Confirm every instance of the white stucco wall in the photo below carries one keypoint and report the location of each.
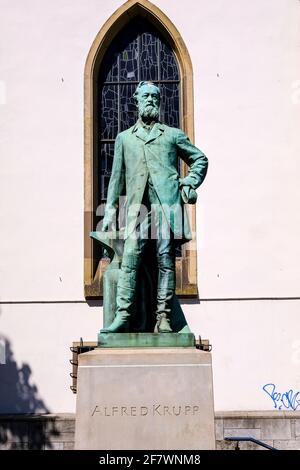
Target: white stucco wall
(247, 108)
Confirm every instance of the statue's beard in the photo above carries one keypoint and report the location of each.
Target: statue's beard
(149, 111)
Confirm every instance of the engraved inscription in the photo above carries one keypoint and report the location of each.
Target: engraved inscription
(150, 410)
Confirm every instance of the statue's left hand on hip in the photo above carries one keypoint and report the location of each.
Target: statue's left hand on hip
(188, 194)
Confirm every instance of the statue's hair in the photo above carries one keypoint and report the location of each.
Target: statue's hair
(140, 85)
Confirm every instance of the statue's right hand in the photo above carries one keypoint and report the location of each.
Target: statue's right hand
(108, 225)
(109, 221)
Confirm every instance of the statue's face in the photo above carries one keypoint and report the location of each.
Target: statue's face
(148, 102)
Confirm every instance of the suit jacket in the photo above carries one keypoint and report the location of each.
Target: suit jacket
(138, 154)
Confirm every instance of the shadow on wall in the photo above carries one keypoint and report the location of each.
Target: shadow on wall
(24, 426)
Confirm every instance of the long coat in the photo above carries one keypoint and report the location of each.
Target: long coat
(138, 154)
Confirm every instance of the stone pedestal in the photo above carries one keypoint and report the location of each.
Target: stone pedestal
(146, 398)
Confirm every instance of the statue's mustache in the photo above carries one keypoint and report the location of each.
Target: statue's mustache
(149, 106)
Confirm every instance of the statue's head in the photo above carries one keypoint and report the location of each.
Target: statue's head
(147, 99)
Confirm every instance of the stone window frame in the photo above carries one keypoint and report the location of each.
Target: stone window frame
(186, 265)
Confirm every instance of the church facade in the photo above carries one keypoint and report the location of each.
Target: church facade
(229, 77)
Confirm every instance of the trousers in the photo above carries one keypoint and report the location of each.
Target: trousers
(155, 226)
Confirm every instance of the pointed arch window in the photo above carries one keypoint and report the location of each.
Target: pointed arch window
(135, 44)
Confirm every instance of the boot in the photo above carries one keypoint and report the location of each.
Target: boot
(125, 299)
(164, 309)
(126, 292)
(163, 324)
(165, 293)
(119, 325)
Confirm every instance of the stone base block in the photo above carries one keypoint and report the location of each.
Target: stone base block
(149, 399)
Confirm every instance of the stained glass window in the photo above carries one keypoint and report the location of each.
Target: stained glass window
(137, 53)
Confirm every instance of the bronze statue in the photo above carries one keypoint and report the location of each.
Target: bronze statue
(145, 168)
